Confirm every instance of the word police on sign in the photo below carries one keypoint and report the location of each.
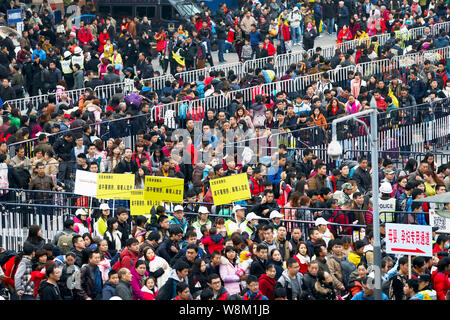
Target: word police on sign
(409, 239)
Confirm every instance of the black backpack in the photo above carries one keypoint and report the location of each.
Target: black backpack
(5, 256)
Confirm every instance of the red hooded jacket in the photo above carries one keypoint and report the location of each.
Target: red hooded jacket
(266, 285)
(440, 284)
(213, 242)
(85, 35)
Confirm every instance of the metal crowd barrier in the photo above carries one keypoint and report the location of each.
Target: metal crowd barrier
(104, 92)
(16, 217)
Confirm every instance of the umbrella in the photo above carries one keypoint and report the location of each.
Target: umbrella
(439, 198)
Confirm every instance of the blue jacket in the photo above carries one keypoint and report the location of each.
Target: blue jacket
(200, 89)
(274, 176)
(360, 296)
(317, 11)
(108, 291)
(41, 53)
(441, 42)
(254, 38)
(418, 90)
(183, 224)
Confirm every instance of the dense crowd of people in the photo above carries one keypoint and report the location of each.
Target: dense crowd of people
(306, 232)
(53, 58)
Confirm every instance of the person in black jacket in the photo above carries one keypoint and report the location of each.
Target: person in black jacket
(329, 14)
(148, 71)
(41, 79)
(260, 52)
(6, 91)
(77, 248)
(8, 43)
(170, 247)
(127, 165)
(191, 48)
(91, 283)
(49, 289)
(221, 32)
(93, 80)
(258, 266)
(309, 280)
(362, 176)
(124, 224)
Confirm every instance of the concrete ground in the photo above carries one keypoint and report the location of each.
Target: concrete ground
(322, 41)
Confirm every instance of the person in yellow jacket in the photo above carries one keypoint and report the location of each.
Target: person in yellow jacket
(355, 256)
(361, 34)
(238, 222)
(283, 15)
(108, 49)
(100, 226)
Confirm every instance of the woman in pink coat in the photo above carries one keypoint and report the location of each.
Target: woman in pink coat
(139, 271)
(230, 272)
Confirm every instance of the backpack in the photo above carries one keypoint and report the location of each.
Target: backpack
(5, 256)
(133, 99)
(347, 268)
(65, 242)
(335, 230)
(118, 265)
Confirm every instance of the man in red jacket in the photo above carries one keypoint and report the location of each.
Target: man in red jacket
(381, 104)
(84, 35)
(130, 255)
(256, 183)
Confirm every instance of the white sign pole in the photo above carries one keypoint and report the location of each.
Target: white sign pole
(409, 266)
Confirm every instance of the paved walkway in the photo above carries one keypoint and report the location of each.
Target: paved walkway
(322, 41)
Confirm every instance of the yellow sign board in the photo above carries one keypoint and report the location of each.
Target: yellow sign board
(138, 205)
(230, 189)
(114, 186)
(164, 189)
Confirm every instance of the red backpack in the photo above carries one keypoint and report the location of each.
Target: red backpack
(118, 265)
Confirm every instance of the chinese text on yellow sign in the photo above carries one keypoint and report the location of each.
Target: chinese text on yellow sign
(114, 186)
(230, 189)
(164, 189)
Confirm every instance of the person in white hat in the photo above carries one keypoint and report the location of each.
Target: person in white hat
(82, 222)
(325, 233)
(386, 203)
(178, 218)
(66, 68)
(78, 58)
(250, 231)
(275, 217)
(202, 220)
(100, 226)
(238, 222)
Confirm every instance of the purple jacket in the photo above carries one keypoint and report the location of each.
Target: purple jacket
(136, 285)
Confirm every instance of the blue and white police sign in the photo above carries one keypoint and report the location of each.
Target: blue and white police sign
(14, 16)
